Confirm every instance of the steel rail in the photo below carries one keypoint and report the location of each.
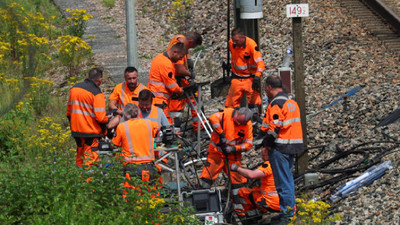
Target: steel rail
(385, 12)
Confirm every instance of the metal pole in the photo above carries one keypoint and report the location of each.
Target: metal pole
(302, 160)
(131, 37)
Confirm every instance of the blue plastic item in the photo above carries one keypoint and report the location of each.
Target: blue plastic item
(366, 178)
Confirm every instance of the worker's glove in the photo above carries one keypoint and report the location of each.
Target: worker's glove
(190, 64)
(234, 167)
(176, 95)
(227, 149)
(256, 84)
(222, 138)
(226, 66)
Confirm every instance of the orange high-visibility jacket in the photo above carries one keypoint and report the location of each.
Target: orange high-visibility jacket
(135, 136)
(175, 40)
(162, 80)
(282, 120)
(244, 67)
(123, 95)
(86, 110)
(268, 186)
(239, 136)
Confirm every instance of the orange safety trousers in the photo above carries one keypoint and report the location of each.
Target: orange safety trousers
(216, 163)
(258, 196)
(85, 155)
(240, 87)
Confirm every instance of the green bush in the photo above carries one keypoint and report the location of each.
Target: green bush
(61, 194)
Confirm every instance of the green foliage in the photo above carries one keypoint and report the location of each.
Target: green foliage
(78, 21)
(108, 3)
(63, 194)
(179, 14)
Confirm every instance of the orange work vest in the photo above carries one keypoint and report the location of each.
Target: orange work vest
(86, 110)
(123, 95)
(135, 136)
(282, 120)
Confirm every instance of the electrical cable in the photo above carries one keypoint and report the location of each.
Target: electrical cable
(348, 171)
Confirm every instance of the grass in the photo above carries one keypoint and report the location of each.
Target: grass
(108, 3)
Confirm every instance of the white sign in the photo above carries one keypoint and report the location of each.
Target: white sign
(297, 10)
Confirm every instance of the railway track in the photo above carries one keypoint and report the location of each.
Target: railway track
(381, 18)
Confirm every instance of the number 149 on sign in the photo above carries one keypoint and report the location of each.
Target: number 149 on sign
(297, 10)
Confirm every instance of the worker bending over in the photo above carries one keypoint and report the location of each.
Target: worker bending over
(264, 197)
(233, 134)
(247, 66)
(162, 80)
(184, 74)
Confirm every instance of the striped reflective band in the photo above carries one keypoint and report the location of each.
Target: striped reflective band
(272, 193)
(123, 94)
(99, 109)
(288, 141)
(258, 59)
(235, 191)
(266, 125)
(277, 122)
(245, 67)
(216, 125)
(238, 206)
(273, 133)
(242, 147)
(161, 94)
(77, 111)
(248, 141)
(80, 104)
(287, 122)
(159, 83)
(130, 144)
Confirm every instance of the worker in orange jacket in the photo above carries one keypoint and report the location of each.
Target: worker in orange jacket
(86, 112)
(162, 80)
(282, 123)
(233, 134)
(135, 137)
(264, 197)
(247, 67)
(184, 72)
(126, 92)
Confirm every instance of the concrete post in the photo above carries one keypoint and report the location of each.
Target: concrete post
(131, 37)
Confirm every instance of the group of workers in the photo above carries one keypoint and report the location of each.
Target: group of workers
(140, 111)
